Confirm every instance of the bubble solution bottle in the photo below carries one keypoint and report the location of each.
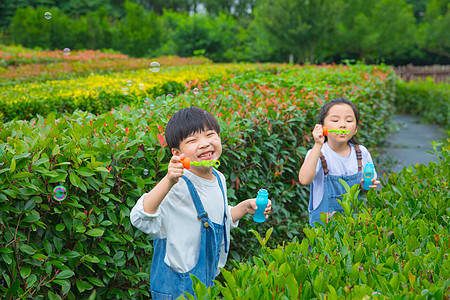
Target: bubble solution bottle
(262, 199)
(368, 174)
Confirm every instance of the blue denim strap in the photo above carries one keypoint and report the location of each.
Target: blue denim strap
(224, 211)
(202, 214)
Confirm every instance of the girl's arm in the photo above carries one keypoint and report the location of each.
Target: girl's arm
(247, 207)
(308, 170)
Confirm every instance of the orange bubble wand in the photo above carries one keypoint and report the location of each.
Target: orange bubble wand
(204, 163)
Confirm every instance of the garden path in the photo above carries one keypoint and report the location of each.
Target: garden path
(409, 145)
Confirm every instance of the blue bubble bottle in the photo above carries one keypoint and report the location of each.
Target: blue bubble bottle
(262, 200)
(368, 174)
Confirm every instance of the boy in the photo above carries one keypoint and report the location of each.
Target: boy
(190, 219)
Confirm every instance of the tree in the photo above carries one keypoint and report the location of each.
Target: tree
(435, 30)
(158, 6)
(236, 8)
(373, 30)
(298, 26)
(30, 29)
(139, 33)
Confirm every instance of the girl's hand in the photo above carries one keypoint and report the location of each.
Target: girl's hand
(251, 207)
(318, 136)
(374, 185)
(175, 169)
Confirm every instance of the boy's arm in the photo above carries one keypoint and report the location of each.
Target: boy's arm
(247, 207)
(308, 170)
(153, 199)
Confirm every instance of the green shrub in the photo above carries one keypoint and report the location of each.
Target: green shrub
(265, 116)
(427, 99)
(396, 247)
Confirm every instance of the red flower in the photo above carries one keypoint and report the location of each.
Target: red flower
(127, 130)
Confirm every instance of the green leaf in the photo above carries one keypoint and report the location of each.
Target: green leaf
(61, 282)
(55, 150)
(74, 179)
(60, 227)
(64, 274)
(86, 172)
(22, 175)
(27, 249)
(12, 168)
(95, 281)
(25, 271)
(95, 232)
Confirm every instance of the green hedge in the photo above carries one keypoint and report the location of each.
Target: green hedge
(427, 99)
(85, 245)
(396, 247)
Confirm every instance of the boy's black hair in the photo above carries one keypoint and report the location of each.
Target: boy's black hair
(326, 107)
(187, 121)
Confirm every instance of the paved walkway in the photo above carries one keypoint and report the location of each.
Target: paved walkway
(410, 144)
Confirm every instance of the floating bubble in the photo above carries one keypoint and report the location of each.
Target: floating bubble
(169, 97)
(195, 91)
(152, 106)
(141, 86)
(59, 193)
(66, 51)
(154, 66)
(48, 15)
(145, 172)
(125, 91)
(129, 82)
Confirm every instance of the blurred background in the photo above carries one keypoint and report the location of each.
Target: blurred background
(395, 32)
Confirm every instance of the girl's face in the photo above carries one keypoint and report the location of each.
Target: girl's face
(341, 116)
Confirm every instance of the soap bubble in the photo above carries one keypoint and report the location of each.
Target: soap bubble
(48, 15)
(169, 97)
(66, 51)
(141, 86)
(195, 91)
(125, 91)
(129, 82)
(145, 172)
(152, 106)
(59, 193)
(154, 66)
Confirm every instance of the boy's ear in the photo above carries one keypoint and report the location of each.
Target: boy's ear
(175, 152)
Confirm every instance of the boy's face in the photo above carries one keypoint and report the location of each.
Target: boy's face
(204, 145)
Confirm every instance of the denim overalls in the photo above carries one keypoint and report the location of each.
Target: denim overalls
(168, 284)
(333, 189)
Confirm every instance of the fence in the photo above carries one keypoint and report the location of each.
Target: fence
(410, 72)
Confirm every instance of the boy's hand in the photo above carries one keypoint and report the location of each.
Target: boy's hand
(175, 169)
(251, 209)
(318, 136)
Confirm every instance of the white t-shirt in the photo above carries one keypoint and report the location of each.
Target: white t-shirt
(337, 165)
(176, 220)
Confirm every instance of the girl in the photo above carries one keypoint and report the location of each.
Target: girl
(341, 157)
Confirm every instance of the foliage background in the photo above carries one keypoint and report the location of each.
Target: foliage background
(391, 31)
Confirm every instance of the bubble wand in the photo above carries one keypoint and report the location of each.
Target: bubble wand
(338, 131)
(204, 163)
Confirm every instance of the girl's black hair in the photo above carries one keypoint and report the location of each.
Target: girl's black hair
(326, 108)
(187, 121)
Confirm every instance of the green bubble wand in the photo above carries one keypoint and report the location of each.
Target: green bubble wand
(204, 163)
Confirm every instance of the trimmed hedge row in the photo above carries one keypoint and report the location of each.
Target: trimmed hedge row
(85, 246)
(425, 98)
(98, 93)
(396, 247)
